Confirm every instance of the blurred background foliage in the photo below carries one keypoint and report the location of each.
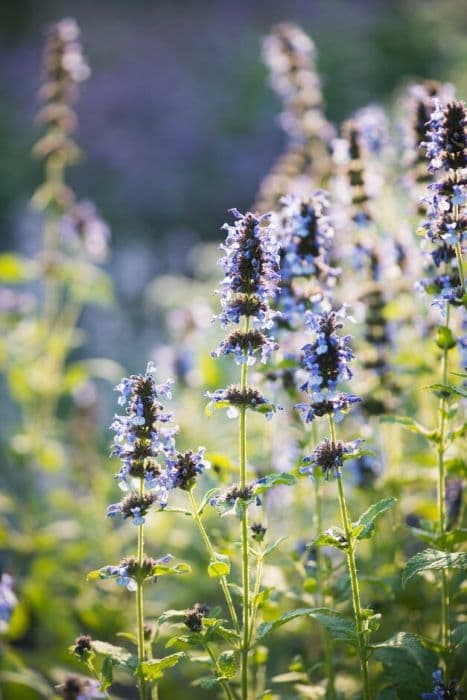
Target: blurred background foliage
(178, 124)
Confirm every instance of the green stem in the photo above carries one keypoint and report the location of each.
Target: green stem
(139, 603)
(327, 644)
(222, 579)
(224, 684)
(254, 612)
(350, 552)
(244, 538)
(441, 496)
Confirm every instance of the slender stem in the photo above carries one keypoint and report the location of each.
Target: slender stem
(222, 579)
(244, 538)
(254, 612)
(350, 552)
(441, 496)
(139, 603)
(225, 685)
(327, 644)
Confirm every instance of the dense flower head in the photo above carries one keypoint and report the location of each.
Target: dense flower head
(337, 406)
(8, 601)
(134, 505)
(129, 572)
(258, 531)
(326, 359)
(251, 266)
(245, 345)
(234, 397)
(373, 129)
(355, 173)
(236, 498)
(329, 456)
(447, 132)
(441, 689)
(143, 440)
(186, 467)
(194, 617)
(445, 204)
(306, 272)
(82, 646)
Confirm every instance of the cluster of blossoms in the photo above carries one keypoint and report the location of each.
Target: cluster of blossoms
(446, 225)
(84, 230)
(441, 690)
(128, 572)
(325, 361)
(8, 601)
(251, 266)
(289, 55)
(80, 688)
(64, 68)
(306, 271)
(144, 443)
(194, 617)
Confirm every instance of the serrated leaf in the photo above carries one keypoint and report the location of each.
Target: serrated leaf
(339, 627)
(408, 664)
(267, 627)
(154, 669)
(183, 641)
(118, 655)
(228, 663)
(365, 525)
(433, 559)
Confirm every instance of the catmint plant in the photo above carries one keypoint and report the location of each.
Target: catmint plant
(251, 267)
(326, 364)
(145, 443)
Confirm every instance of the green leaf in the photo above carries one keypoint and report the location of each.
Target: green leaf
(365, 525)
(154, 669)
(333, 537)
(118, 655)
(433, 559)
(207, 682)
(271, 480)
(171, 509)
(267, 627)
(339, 627)
(220, 566)
(271, 547)
(412, 426)
(129, 636)
(445, 338)
(206, 499)
(106, 675)
(447, 391)
(228, 663)
(408, 664)
(172, 616)
(164, 570)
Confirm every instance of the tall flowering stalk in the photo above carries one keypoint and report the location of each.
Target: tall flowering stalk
(290, 55)
(445, 232)
(144, 442)
(326, 362)
(251, 266)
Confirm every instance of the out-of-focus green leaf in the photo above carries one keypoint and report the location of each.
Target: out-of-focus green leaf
(433, 559)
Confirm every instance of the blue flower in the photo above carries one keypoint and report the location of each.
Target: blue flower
(8, 601)
(186, 467)
(442, 691)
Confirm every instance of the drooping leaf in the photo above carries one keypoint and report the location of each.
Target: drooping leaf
(271, 547)
(165, 570)
(220, 566)
(267, 627)
(365, 525)
(433, 559)
(412, 426)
